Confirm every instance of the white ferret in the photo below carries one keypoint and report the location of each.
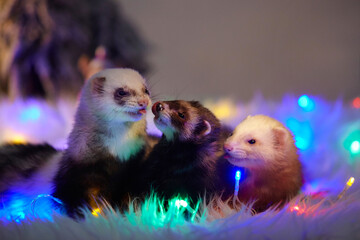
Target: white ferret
(266, 150)
(105, 148)
(108, 143)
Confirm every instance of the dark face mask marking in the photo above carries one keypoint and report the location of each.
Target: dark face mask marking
(122, 95)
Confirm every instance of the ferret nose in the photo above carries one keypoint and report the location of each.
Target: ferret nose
(228, 147)
(157, 107)
(143, 102)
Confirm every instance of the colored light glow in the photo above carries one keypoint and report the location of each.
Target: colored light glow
(45, 196)
(350, 181)
(303, 101)
(356, 102)
(306, 103)
(13, 210)
(182, 203)
(237, 180)
(11, 136)
(301, 143)
(17, 139)
(224, 109)
(302, 131)
(21, 216)
(32, 113)
(355, 147)
(237, 175)
(96, 212)
(352, 142)
(297, 209)
(43, 206)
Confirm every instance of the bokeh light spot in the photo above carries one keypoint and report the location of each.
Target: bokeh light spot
(355, 147)
(306, 103)
(356, 102)
(182, 203)
(302, 131)
(352, 142)
(32, 113)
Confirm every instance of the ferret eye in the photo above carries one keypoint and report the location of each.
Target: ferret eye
(181, 115)
(120, 92)
(252, 141)
(147, 91)
(231, 134)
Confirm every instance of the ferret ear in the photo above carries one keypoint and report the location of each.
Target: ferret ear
(207, 129)
(279, 137)
(97, 85)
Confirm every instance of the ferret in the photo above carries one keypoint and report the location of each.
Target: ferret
(106, 148)
(265, 149)
(21, 163)
(183, 162)
(108, 141)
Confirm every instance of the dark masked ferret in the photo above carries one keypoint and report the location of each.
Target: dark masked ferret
(108, 140)
(265, 149)
(184, 160)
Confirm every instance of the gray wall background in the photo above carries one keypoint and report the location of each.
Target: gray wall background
(228, 48)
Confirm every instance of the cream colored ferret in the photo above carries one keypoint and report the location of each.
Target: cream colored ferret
(266, 150)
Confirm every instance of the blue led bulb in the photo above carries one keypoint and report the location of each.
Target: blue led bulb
(306, 103)
(237, 179)
(238, 175)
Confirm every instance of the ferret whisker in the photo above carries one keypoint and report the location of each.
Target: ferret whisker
(157, 96)
(156, 99)
(166, 116)
(131, 103)
(151, 81)
(153, 84)
(154, 95)
(150, 75)
(238, 152)
(131, 106)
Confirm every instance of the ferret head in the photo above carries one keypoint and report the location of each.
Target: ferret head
(259, 141)
(186, 121)
(118, 95)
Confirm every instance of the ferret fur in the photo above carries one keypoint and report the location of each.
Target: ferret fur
(21, 163)
(108, 141)
(273, 172)
(183, 162)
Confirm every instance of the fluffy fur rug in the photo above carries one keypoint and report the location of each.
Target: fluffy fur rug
(326, 136)
(327, 219)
